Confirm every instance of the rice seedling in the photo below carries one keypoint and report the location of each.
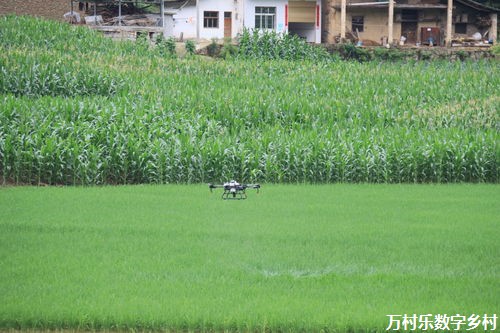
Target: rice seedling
(291, 258)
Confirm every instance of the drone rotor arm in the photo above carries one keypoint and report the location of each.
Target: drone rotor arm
(253, 186)
(213, 186)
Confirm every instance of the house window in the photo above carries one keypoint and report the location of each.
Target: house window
(210, 19)
(358, 22)
(265, 17)
(460, 28)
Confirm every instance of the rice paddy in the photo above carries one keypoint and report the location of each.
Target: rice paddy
(337, 258)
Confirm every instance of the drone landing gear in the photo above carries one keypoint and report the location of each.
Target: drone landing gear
(234, 195)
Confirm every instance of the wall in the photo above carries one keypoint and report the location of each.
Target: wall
(189, 20)
(302, 16)
(375, 23)
(52, 9)
(185, 23)
(221, 7)
(249, 13)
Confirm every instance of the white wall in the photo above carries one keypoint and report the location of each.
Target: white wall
(221, 7)
(249, 13)
(312, 35)
(185, 22)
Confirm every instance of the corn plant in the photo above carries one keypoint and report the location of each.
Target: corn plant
(127, 115)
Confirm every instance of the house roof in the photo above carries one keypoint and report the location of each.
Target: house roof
(378, 3)
(396, 5)
(478, 6)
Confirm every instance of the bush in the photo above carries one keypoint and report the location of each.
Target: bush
(213, 48)
(424, 55)
(190, 47)
(352, 52)
(228, 49)
(381, 53)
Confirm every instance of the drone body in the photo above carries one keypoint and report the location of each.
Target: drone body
(234, 190)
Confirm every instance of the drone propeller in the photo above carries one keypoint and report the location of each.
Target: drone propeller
(254, 186)
(212, 186)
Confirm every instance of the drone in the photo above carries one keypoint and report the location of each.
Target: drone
(234, 190)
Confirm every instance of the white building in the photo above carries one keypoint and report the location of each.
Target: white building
(207, 19)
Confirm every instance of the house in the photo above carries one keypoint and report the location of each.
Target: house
(432, 22)
(207, 19)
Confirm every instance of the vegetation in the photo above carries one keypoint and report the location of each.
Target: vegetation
(333, 258)
(80, 109)
(166, 47)
(77, 108)
(495, 49)
(270, 45)
(190, 47)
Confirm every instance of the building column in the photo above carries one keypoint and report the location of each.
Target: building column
(493, 29)
(343, 13)
(198, 19)
(162, 15)
(119, 13)
(329, 21)
(390, 36)
(449, 20)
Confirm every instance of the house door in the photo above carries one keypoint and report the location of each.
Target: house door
(227, 25)
(409, 30)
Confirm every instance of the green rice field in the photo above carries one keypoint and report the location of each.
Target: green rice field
(332, 258)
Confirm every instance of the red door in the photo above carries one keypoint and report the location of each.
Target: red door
(227, 25)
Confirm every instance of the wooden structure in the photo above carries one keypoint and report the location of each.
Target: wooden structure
(118, 26)
(407, 21)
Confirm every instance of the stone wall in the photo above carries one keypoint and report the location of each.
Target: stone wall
(349, 51)
(52, 9)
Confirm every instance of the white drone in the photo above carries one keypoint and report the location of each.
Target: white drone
(234, 190)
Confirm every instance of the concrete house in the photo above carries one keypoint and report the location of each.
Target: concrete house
(434, 22)
(201, 19)
(206, 19)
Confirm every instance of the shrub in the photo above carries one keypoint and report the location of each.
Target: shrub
(424, 55)
(213, 48)
(352, 52)
(190, 47)
(392, 54)
(228, 49)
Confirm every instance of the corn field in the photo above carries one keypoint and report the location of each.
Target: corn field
(77, 108)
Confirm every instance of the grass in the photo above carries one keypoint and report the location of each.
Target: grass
(291, 258)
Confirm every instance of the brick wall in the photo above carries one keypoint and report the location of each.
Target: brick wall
(52, 9)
